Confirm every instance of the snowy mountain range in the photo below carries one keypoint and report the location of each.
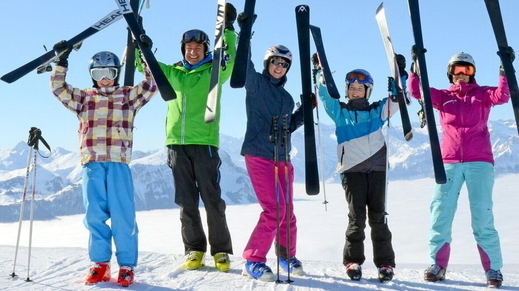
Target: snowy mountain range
(58, 177)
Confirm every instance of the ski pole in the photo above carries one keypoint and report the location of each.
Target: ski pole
(274, 140)
(321, 155)
(22, 210)
(288, 216)
(34, 138)
(31, 212)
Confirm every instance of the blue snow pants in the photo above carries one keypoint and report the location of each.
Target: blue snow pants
(108, 194)
(479, 179)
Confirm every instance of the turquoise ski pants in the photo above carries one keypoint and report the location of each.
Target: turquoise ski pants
(479, 179)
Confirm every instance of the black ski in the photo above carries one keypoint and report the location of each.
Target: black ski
(166, 91)
(439, 169)
(239, 72)
(494, 12)
(50, 56)
(395, 73)
(217, 65)
(321, 54)
(129, 57)
(303, 36)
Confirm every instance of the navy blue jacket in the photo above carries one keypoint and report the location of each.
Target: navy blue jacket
(266, 97)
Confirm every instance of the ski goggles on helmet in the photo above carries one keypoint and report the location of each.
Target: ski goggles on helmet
(468, 70)
(99, 74)
(357, 76)
(279, 63)
(194, 35)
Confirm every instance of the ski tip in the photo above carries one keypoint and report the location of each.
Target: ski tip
(380, 7)
(302, 8)
(6, 79)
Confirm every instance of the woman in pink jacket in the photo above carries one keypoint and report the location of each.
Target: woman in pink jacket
(467, 155)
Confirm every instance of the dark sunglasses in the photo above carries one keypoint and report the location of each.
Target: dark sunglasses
(279, 63)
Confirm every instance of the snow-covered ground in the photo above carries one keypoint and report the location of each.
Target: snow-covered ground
(59, 259)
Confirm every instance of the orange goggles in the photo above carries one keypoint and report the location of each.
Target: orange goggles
(467, 70)
(357, 76)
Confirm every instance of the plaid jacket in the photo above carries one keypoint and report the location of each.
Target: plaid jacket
(105, 116)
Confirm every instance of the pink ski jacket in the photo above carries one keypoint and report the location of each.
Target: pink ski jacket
(464, 111)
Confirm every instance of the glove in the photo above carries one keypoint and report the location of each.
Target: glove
(62, 50)
(230, 16)
(314, 101)
(146, 40)
(317, 67)
(400, 60)
(510, 51)
(391, 88)
(315, 62)
(242, 17)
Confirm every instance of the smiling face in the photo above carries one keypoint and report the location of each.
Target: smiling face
(105, 83)
(456, 79)
(194, 52)
(276, 69)
(356, 90)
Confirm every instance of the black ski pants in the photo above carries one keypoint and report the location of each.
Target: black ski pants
(196, 174)
(367, 190)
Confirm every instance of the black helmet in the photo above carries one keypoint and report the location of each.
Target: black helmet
(195, 35)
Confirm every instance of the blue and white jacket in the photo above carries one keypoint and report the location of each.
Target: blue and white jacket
(358, 127)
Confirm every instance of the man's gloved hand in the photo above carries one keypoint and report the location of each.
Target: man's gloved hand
(230, 16)
(243, 16)
(62, 50)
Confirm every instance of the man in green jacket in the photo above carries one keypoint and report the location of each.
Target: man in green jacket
(193, 146)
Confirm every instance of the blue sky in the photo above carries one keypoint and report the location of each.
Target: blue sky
(351, 37)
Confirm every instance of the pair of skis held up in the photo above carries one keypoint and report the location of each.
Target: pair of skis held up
(125, 10)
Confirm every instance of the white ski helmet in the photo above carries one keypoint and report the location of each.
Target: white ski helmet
(362, 77)
(277, 51)
(461, 59)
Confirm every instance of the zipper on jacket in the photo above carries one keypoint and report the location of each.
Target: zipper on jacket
(183, 118)
(342, 155)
